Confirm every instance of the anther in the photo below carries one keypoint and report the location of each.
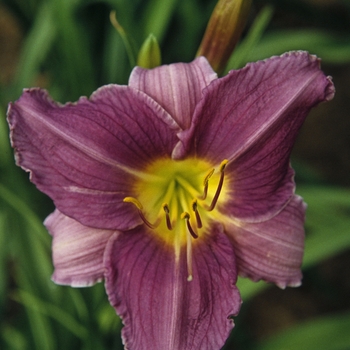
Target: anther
(195, 209)
(186, 216)
(139, 207)
(134, 201)
(167, 216)
(221, 182)
(223, 165)
(205, 184)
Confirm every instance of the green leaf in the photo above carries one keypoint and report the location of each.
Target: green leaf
(157, 16)
(107, 319)
(73, 65)
(37, 44)
(241, 54)
(79, 303)
(5, 149)
(330, 47)
(327, 222)
(3, 256)
(14, 339)
(248, 289)
(51, 310)
(41, 329)
(29, 243)
(125, 38)
(116, 63)
(326, 333)
(24, 210)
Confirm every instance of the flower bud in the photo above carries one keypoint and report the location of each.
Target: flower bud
(149, 55)
(223, 32)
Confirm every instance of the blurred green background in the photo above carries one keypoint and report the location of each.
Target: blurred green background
(70, 48)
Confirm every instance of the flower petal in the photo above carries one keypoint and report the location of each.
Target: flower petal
(176, 87)
(160, 309)
(91, 151)
(251, 117)
(77, 251)
(272, 250)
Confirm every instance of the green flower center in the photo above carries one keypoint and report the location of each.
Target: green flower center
(177, 199)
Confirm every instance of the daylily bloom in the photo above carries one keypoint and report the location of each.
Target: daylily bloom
(170, 186)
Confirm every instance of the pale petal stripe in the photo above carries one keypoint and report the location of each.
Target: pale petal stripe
(77, 251)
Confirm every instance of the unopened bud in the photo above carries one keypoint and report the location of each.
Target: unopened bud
(223, 32)
(149, 55)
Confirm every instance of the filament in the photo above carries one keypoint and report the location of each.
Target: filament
(186, 216)
(139, 207)
(167, 216)
(195, 209)
(206, 183)
(221, 182)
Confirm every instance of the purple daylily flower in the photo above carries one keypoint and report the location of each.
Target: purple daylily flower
(170, 186)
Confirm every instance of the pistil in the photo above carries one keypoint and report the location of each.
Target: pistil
(189, 258)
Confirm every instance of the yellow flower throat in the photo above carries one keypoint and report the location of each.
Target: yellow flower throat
(176, 200)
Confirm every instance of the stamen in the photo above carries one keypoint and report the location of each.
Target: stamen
(205, 184)
(223, 165)
(186, 216)
(134, 201)
(195, 209)
(139, 206)
(167, 216)
(221, 182)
